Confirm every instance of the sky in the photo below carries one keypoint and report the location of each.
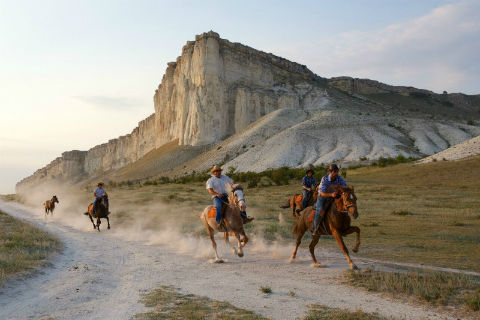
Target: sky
(74, 74)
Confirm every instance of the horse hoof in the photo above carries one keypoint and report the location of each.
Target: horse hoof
(292, 260)
(108, 228)
(240, 254)
(355, 250)
(218, 261)
(318, 265)
(354, 267)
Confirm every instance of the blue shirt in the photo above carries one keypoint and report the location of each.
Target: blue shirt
(308, 182)
(99, 192)
(326, 183)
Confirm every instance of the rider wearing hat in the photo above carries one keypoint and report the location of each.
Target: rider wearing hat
(218, 186)
(100, 193)
(308, 183)
(332, 178)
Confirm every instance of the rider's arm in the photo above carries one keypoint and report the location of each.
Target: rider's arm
(303, 184)
(327, 194)
(213, 193)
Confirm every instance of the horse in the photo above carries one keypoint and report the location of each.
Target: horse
(50, 205)
(233, 222)
(100, 212)
(336, 222)
(296, 201)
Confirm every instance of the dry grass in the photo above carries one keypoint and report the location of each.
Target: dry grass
(22, 246)
(437, 288)
(407, 213)
(318, 312)
(168, 303)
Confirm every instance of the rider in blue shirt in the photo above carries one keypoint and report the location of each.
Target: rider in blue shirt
(308, 183)
(332, 178)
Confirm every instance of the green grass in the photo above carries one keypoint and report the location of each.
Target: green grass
(436, 288)
(23, 247)
(265, 289)
(168, 303)
(318, 312)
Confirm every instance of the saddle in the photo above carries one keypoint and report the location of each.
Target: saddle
(212, 213)
(326, 207)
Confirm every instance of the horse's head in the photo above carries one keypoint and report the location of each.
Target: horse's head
(349, 201)
(55, 199)
(237, 198)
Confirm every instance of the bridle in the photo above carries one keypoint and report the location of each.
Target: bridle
(346, 206)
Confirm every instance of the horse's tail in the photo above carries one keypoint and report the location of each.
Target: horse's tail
(286, 205)
(297, 224)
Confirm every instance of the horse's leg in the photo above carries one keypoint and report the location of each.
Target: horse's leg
(312, 250)
(227, 241)
(340, 242)
(210, 232)
(108, 222)
(357, 242)
(299, 240)
(91, 219)
(98, 223)
(239, 242)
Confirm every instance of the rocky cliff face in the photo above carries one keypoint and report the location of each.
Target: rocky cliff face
(265, 111)
(214, 89)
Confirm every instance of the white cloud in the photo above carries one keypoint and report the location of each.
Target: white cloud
(438, 51)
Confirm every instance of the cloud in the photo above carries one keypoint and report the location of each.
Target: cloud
(437, 51)
(108, 102)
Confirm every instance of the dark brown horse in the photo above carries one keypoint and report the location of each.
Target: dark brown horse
(50, 205)
(100, 212)
(295, 202)
(336, 222)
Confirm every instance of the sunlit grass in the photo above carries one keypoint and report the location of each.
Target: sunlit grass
(22, 246)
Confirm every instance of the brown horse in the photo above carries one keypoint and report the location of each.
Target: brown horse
(100, 212)
(232, 221)
(336, 222)
(295, 202)
(50, 205)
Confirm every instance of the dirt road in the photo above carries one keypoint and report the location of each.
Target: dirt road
(101, 276)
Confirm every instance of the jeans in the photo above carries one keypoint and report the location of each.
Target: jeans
(218, 203)
(305, 198)
(318, 209)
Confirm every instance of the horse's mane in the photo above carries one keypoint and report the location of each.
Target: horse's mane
(236, 187)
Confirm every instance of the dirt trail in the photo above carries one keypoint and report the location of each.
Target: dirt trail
(101, 276)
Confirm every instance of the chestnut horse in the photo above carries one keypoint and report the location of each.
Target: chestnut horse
(50, 205)
(232, 221)
(295, 202)
(336, 222)
(100, 212)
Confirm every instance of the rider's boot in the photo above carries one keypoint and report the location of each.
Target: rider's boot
(245, 218)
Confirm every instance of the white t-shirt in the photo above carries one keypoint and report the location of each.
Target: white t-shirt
(220, 185)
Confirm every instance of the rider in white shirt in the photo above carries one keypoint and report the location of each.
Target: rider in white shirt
(218, 186)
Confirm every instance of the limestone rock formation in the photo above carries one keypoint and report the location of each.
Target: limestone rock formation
(253, 110)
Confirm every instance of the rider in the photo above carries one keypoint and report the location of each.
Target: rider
(308, 182)
(218, 186)
(100, 193)
(332, 178)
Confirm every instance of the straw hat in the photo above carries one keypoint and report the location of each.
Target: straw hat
(215, 168)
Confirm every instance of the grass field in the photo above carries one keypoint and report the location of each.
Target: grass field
(168, 303)
(426, 214)
(22, 246)
(436, 288)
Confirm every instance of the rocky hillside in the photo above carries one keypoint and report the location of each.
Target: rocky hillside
(223, 102)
